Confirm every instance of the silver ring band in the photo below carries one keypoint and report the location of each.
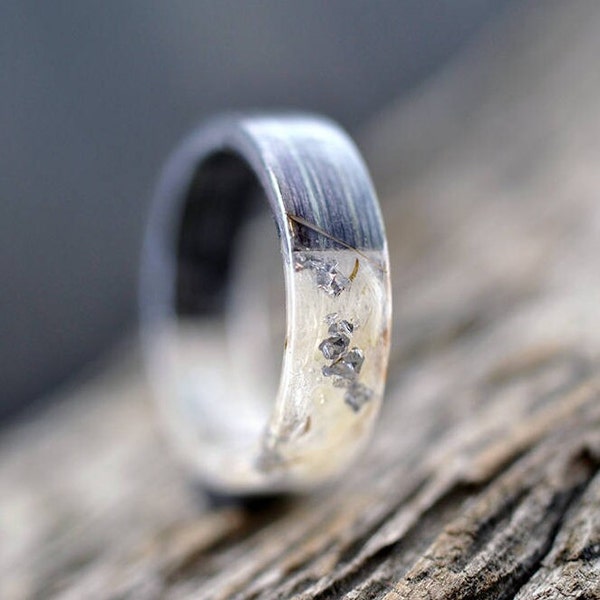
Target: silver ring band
(207, 372)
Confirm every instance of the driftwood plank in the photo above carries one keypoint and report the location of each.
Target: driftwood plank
(483, 479)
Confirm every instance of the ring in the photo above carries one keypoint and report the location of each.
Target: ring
(258, 398)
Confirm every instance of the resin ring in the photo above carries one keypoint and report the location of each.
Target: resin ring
(262, 399)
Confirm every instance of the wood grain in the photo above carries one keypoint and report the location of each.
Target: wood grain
(483, 479)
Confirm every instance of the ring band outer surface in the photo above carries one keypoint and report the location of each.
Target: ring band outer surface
(338, 308)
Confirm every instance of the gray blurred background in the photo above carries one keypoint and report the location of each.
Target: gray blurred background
(93, 95)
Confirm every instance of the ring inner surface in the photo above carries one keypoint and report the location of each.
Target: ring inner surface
(223, 194)
(229, 305)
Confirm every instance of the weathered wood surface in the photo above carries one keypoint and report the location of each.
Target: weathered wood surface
(483, 479)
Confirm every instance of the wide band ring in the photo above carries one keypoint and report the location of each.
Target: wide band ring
(206, 362)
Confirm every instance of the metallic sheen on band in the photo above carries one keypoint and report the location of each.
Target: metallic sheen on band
(247, 420)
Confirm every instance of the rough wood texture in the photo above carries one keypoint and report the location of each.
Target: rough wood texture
(483, 481)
